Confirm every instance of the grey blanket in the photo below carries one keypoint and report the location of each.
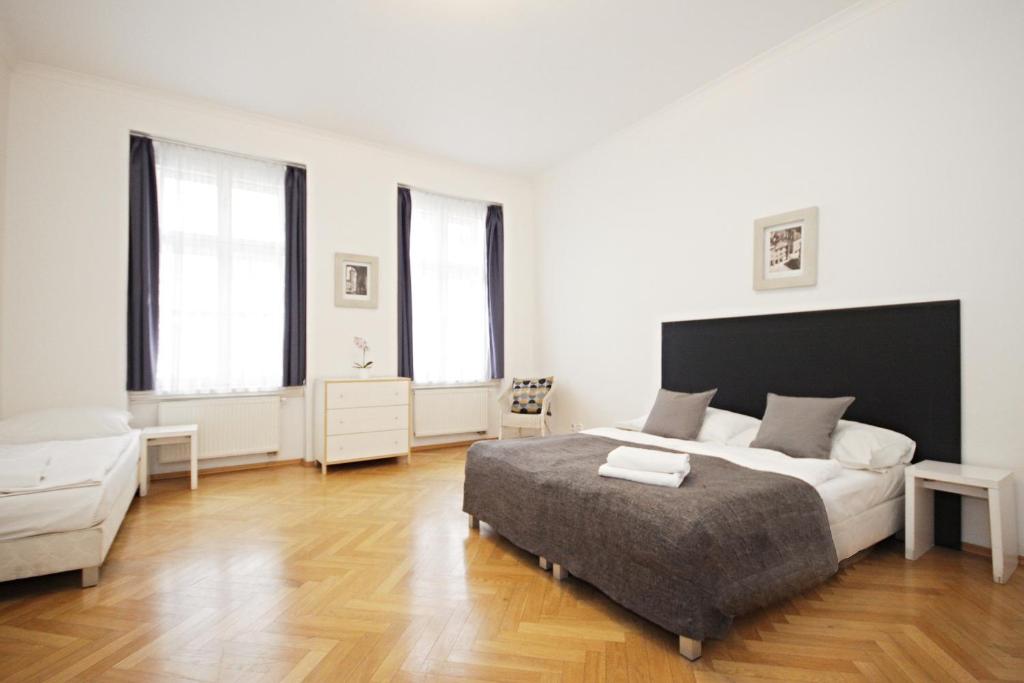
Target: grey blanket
(728, 541)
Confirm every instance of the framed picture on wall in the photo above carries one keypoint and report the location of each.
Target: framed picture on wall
(786, 250)
(355, 281)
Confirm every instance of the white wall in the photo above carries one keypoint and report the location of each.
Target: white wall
(902, 121)
(5, 98)
(64, 266)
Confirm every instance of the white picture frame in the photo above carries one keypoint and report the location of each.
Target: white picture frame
(786, 250)
(355, 281)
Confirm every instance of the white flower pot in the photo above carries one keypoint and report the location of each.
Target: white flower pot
(364, 373)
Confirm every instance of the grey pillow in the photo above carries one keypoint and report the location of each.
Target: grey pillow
(678, 415)
(800, 427)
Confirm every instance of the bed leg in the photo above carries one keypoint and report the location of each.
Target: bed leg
(474, 523)
(690, 648)
(90, 576)
(544, 563)
(559, 572)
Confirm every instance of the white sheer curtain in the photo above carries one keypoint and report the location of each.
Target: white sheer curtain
(221, 271)
(448, 259)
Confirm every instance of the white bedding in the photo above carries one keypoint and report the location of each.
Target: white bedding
(811, 470)
(80, 483)
(858, 502)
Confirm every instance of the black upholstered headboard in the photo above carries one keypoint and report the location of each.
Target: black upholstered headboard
(902, 363)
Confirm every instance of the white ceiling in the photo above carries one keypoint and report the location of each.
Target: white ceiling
(511, 84)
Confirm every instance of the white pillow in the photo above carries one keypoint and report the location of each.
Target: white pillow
(718, 426)
(634, 425)
(64, 424)
(744, 438)
(863, 447)
(721, 425)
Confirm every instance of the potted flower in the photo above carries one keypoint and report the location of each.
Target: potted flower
(364, 366)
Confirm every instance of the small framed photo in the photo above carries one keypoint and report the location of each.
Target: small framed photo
(786, 250)
(355, 281)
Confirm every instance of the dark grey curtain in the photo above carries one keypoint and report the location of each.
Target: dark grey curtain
(294, 277)
(143, 265)
(496, 288)
(405, 366)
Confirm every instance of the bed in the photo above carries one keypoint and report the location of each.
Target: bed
(739, 534)
(863, 507)
(69, 519)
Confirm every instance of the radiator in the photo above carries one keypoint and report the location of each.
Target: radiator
(227, 426)
(454, 410)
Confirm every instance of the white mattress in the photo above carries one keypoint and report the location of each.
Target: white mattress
(66, 505)
(862, 507)
(856, 491)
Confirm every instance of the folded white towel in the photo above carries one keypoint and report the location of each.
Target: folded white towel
(672, 480)
(22, 472)
(630, 458)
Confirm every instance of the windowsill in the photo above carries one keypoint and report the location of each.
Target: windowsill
(458, 385)
(157, 397)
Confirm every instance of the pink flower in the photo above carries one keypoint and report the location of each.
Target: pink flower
(361, 344)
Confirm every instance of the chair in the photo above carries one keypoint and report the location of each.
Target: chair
(526, 404)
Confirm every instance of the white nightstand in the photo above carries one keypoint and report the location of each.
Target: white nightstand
(928, 476)
(163, 436)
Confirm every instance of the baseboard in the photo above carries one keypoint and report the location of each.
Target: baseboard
(228, 468)
(983, 551)
(450, 444)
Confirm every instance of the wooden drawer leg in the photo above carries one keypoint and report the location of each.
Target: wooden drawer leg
(543, 562)
(559, 572)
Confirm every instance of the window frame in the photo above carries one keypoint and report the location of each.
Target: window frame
(216, 246)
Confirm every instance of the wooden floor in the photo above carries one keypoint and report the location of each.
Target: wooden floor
(371, 573)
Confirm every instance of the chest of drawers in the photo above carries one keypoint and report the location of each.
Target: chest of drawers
(362, 419)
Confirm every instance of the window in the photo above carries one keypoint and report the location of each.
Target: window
(448, 269)
(222, 271)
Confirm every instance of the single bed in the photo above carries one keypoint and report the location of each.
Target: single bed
(68, 521)
(741, 535)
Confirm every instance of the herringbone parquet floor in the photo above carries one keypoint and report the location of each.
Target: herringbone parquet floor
(372, 574)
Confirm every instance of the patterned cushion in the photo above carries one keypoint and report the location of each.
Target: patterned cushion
(528, 394)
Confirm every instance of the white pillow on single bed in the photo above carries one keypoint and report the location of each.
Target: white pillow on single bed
(64, 424)
(863, 447)
(719, 425)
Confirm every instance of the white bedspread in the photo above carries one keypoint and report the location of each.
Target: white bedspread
(18, 472)
(811, 470)
(66, 464)
(83, 480)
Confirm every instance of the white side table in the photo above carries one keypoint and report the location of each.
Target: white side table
(163, 436)
(995, 485)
